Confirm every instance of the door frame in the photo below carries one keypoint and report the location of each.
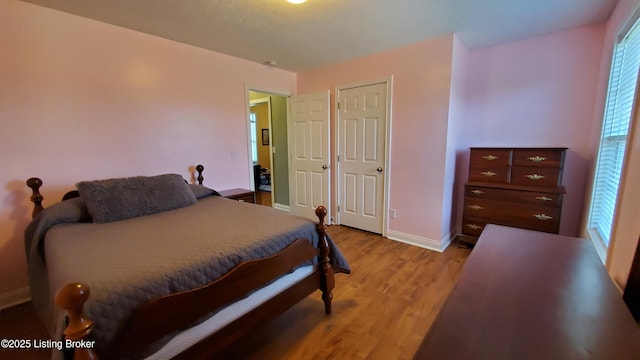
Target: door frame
(263, 100)
(387, 146)
(247, 90)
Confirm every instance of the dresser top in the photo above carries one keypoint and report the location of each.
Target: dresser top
(530, 295)
(519, 148)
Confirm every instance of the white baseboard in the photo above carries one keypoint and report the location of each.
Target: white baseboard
(447, 239)
(282, 207)
(430, 244)
(14, 297)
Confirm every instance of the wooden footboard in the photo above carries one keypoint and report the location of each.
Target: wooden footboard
(168, 314)
(179, 311)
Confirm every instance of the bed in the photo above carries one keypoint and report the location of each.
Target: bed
(153, 267)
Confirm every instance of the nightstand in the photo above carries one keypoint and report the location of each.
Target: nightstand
(242, 195)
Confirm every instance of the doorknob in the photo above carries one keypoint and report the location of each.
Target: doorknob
(379, 169)
(325, 166)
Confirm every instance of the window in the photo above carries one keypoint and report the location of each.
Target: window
(254, 135)
(615, 128)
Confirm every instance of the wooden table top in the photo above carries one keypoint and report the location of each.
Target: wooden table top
(530, 295)
(235, 192)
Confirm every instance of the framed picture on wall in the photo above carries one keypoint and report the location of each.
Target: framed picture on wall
(265, 136)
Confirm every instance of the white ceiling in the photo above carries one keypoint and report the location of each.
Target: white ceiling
(322, 32)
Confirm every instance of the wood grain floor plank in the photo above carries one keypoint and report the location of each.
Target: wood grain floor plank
(381, 311)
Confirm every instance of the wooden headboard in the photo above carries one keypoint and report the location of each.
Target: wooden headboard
(35, 183)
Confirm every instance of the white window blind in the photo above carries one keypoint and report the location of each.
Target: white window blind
(615, 127)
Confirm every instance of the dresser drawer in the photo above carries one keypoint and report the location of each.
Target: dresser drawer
(538, 221)
(535, 176)
(245, 198)
(517, 196)
(538, 158)
(490, 158)
(541, 218)
(472, 226)
(491, 175)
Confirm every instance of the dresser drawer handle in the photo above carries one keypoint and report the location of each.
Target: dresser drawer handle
(475, 207)
(543, 198)
(537, 158)
(535, 177)
(474, 226)
(543, 217)
(477, 192)
(490, 157)
(488, 173)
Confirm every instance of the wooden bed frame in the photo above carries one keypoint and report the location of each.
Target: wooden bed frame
(175, 312)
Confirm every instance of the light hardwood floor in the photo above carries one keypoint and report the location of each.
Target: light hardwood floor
(380, 311)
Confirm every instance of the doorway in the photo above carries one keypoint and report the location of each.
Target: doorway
(363, 155)
(267, 133)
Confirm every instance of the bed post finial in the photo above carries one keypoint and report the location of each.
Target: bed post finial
(200, 169)
(71, 298)
(328, 282)
(321, 213)
(34, 183)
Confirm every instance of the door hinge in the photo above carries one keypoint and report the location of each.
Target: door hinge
(338, 208)
(338, 105)
(338, 158)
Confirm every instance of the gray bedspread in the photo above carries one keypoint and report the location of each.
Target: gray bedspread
(131, 261)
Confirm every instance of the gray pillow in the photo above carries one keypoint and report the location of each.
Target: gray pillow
(123, 198)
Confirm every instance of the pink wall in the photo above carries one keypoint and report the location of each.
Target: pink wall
(538, 92)
(457, 154)
(420, 104)
(80, 99)
(627, 225)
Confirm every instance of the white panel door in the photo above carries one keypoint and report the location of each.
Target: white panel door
(309, 170)
(363, 120)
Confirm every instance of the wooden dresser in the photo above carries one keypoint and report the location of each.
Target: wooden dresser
(529, 295)
(517, 187)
